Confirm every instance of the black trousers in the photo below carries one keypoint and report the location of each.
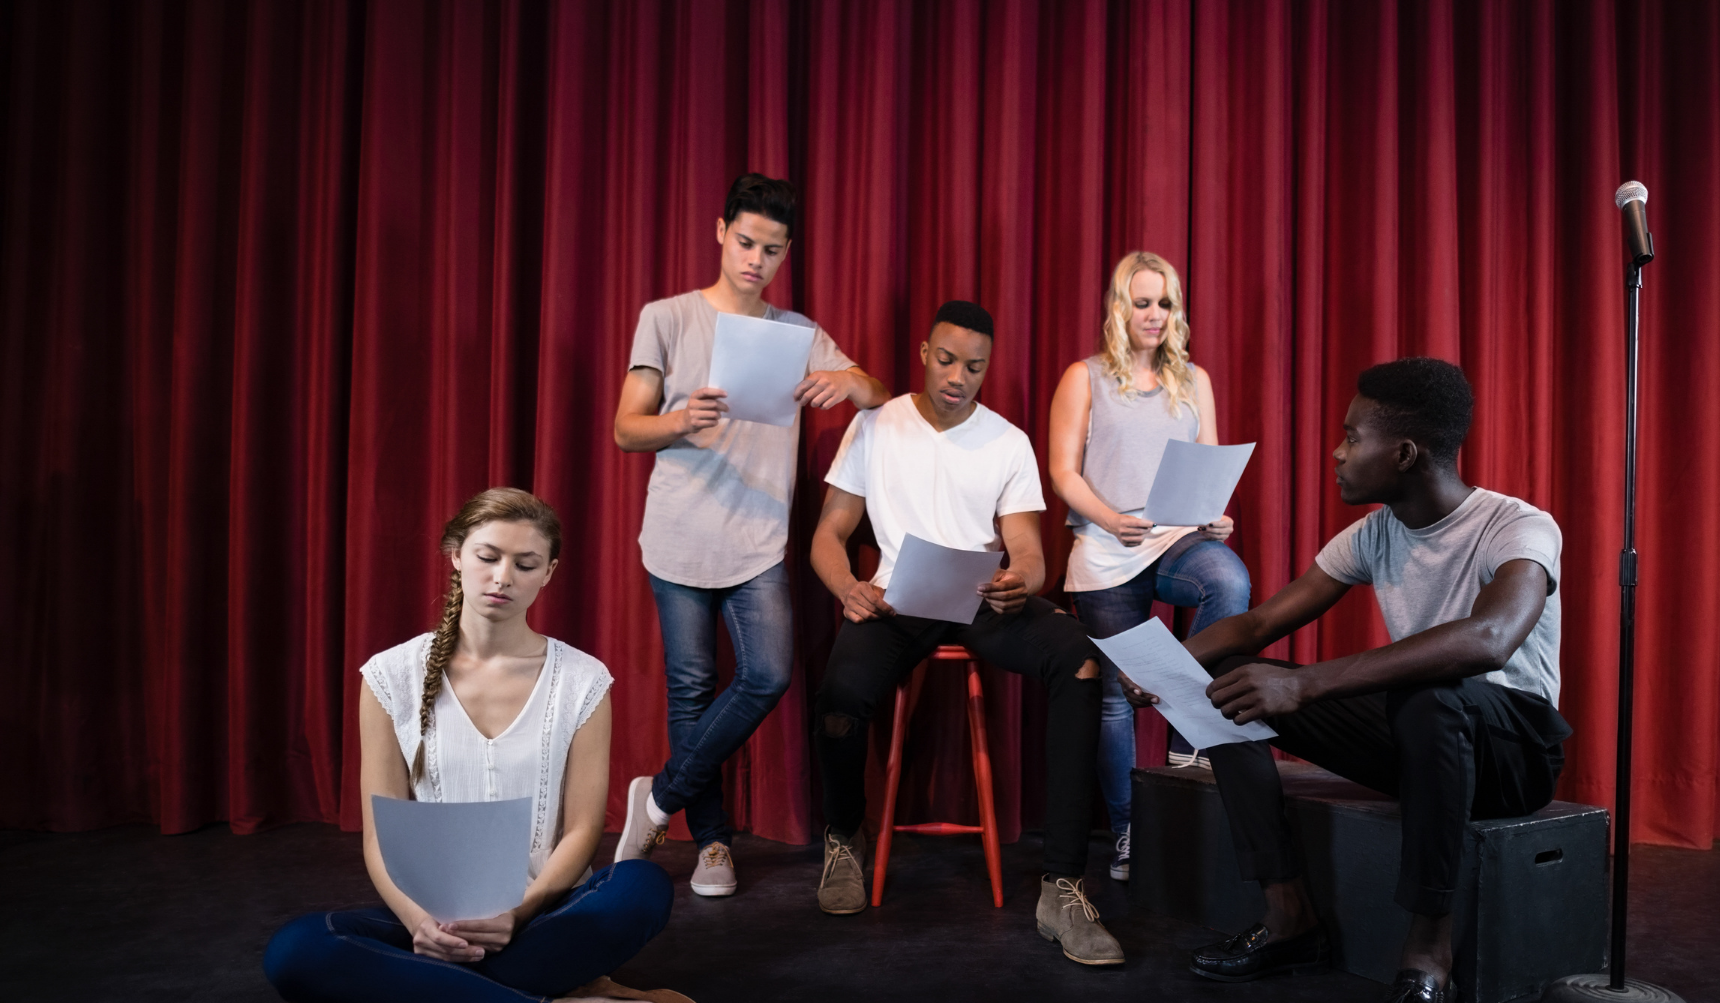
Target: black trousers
(1040, 641)
(1448, 751)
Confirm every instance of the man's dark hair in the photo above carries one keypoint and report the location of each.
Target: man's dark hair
(768, 197)
(961, 313)
(1425, 400)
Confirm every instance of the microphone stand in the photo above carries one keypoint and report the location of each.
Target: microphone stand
(1615, 986)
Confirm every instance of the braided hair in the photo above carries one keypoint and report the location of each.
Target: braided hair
(494, 505)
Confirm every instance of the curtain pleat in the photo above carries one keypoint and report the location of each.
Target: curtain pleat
(282, 283)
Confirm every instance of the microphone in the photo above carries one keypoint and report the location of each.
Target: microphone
(1632, 200)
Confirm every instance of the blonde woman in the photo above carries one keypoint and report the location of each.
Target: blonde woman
(486, 709)
(1110, 419)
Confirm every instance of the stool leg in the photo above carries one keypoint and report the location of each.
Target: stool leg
(982, 781)
(892, 779)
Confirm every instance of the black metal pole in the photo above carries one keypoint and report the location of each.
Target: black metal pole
(1626, 637)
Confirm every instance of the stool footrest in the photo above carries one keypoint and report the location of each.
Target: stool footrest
(939, 828)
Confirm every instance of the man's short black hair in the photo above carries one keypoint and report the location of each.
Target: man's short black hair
(768, 197)
(1425, 400)
(961, 313)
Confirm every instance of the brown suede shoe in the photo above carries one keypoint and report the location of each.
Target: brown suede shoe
(605, 989)
(1066, 917)
(842, 889)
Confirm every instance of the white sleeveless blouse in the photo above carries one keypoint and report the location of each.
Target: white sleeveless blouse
(526, 760)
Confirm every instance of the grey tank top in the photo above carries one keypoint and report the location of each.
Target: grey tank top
(1126, 436)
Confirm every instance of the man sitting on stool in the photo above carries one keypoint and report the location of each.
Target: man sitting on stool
(1456, 717)
(947, 469)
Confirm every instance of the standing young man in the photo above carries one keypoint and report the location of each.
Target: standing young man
(716, 523)
(947, 469)
(1457, 717)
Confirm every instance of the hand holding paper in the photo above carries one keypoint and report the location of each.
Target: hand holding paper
(759, 364)
(939, 583)
(1194, 482)
(457, 861)
(1152, 657)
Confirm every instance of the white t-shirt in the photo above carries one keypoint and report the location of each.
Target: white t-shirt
(946, 488)
(526, 760)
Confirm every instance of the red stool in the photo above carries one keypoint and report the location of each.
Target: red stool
(981, 775)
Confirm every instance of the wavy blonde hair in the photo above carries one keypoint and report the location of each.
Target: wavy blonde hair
(1170, 361)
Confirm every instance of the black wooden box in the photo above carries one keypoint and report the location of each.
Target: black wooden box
(1531, 905)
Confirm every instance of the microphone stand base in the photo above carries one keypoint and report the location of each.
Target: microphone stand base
(1589, 988)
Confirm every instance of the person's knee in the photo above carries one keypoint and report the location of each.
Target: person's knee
(1088, 670)
(295, 954)
(839, 725)
(1425, 719)
(646, 893)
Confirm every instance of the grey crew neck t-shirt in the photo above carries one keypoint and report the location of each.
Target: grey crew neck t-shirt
(716, 509)
(1429, 576)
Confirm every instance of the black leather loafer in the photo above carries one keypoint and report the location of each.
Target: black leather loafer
(1247, 956)
(1413, 985)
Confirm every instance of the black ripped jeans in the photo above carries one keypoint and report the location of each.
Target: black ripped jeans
(1448, 751)
(1040, 641)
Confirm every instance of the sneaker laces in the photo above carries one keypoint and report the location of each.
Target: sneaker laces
(653, 837)
(1123, 845)
(1073, 896)
(834, 853)
(716, 855)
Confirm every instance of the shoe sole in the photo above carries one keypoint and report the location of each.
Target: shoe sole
(1048, 935)
(1302, 968)
(633, 804)
(842, 912)
(1119, 874)
(712, 891)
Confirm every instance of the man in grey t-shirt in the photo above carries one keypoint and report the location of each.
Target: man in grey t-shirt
(1456, 717)
(716, 523)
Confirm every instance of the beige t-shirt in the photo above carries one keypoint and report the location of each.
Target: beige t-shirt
(716, 510)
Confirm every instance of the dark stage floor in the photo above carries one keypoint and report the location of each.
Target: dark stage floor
(126, 914)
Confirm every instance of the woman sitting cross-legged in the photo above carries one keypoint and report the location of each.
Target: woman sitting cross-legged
(486, 709)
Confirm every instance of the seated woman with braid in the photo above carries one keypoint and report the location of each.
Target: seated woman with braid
(486, 709)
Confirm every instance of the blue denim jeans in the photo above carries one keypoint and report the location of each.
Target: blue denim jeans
(365, 955)
(705, 727)
(1197, 572)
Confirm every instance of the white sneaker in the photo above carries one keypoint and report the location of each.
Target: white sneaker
(639, 835)
(714, 874)
(1120, 863)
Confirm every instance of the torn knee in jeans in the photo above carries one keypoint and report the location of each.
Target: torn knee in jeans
(840, 725)
(1088, 670)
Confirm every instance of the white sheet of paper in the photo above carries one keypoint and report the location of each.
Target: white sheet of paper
(937, 582)
(457, 861)
(1158, 663)
(759, 362)
(1194, 482)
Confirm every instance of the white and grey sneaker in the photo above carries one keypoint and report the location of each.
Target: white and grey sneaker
(714, 874)
(1120, 863)
(639, 835)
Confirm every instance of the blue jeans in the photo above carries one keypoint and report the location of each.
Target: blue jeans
(705, 728)
(365, 955)
(1197, 572)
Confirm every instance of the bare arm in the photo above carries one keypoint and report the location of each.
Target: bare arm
(1008, 590)
(1071, 406)
(382, 770)
(860, 600)
(827, 388)
(638, 426)
(1206, 406)
(1503, 614)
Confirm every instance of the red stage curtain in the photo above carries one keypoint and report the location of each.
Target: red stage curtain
(282, 282)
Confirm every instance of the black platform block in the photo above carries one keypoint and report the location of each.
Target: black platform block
(1531, 905)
